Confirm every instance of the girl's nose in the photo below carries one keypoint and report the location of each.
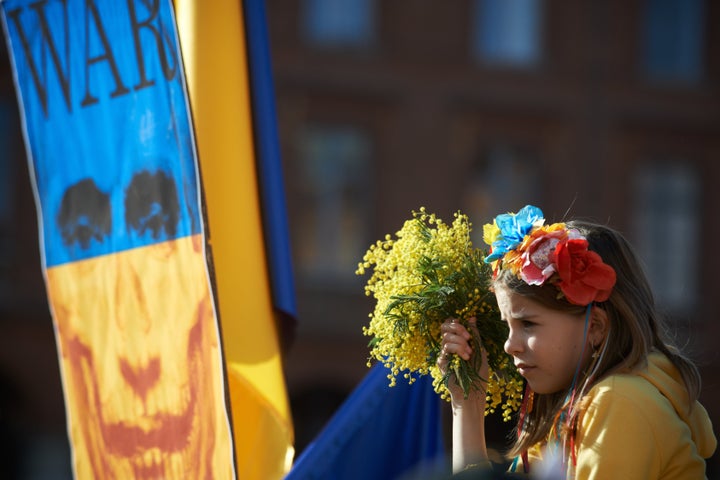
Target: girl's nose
(513, 345)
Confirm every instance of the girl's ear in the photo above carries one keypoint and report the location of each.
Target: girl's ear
(599, 326)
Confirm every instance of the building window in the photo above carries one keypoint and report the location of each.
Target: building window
(508, 32)
(667, 232)
(334, 181)
(505, 178)
(674, 34)
(339, 23)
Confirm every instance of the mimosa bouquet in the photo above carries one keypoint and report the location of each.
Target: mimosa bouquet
(431, 272)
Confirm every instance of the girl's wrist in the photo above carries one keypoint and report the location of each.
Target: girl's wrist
(474, 400)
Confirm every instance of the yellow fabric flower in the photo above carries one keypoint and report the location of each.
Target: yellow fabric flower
(491, 232)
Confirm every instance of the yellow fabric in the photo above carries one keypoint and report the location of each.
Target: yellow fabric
(213, 44)
(141, 365)
(640, 426)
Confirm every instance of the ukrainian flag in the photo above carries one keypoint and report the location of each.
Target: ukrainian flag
(224, 46)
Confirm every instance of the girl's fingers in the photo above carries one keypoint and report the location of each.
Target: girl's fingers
(454, 327)
(461, 349)
(454, 341)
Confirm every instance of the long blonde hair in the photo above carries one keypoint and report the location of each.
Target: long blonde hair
(636, 329)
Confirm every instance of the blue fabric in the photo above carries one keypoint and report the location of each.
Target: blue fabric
(380, 432)
(267, 146)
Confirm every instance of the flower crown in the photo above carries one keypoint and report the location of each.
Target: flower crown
(539, 253)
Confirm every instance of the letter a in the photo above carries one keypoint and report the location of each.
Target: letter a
(120, 88)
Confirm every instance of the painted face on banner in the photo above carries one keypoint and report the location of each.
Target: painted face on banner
(137, 334)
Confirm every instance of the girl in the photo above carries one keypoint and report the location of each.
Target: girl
(607, 396)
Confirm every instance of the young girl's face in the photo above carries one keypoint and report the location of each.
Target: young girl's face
(546, 344)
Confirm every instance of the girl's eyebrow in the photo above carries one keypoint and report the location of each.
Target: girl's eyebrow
(512, 316)
(522, 315)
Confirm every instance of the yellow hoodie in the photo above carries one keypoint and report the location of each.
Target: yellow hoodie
(641, 426)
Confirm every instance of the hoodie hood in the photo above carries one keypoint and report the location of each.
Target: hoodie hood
(667, 379)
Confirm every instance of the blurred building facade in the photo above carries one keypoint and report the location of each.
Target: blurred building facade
(605, 110)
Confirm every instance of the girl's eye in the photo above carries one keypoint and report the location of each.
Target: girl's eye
(528, 324)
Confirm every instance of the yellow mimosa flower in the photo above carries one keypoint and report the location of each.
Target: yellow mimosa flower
(425, 274)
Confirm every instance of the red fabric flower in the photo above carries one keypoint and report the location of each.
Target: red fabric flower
(584, 278)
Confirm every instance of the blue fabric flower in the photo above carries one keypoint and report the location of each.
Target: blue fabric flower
(513, 228)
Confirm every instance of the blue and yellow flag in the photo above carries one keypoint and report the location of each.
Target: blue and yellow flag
(113, 165)
(224, 47)
(380, 432)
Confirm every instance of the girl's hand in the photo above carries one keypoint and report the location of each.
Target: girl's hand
(456, 340)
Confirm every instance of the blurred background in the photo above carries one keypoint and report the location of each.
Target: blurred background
(607, 110)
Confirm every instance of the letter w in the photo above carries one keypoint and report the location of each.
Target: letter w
(63, 76)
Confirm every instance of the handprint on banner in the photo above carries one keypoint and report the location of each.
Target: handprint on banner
(151, 203)
(85, 214)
